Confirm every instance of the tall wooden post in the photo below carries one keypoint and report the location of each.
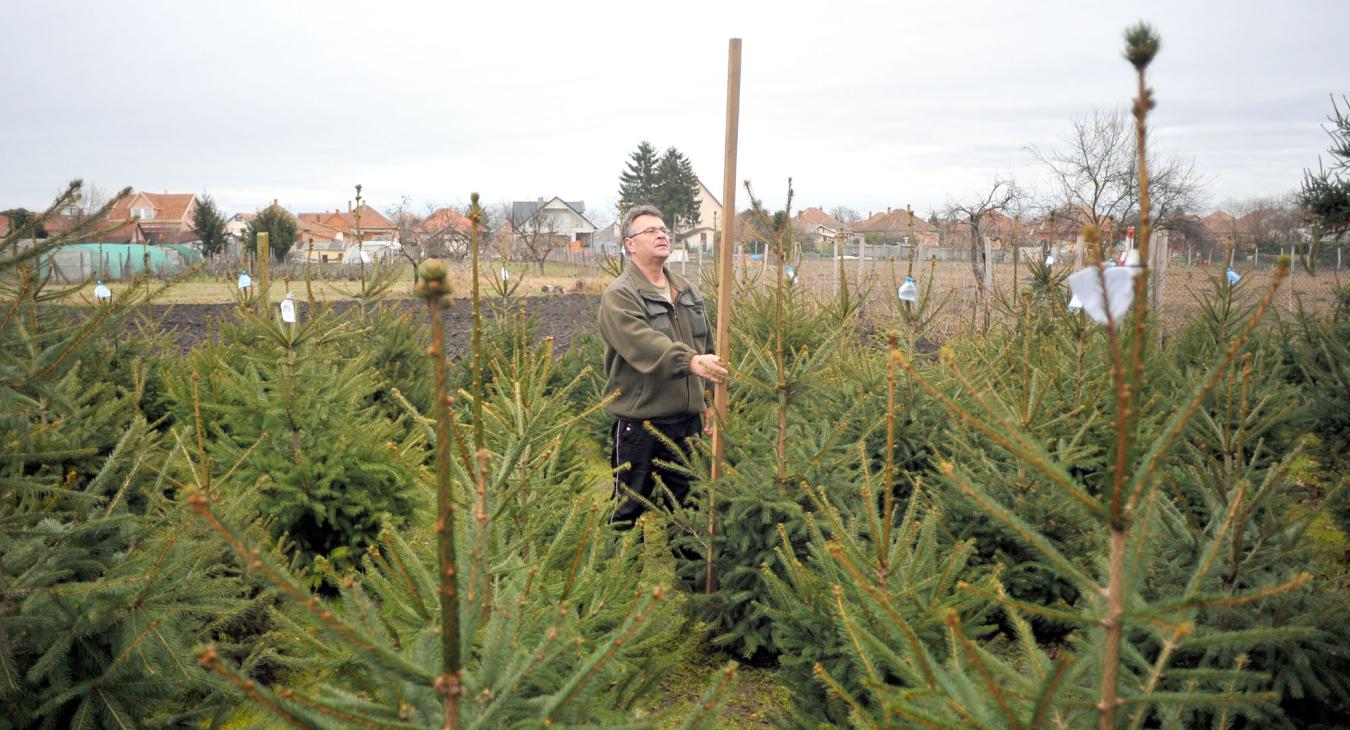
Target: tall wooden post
(264, 258)
(725, 282)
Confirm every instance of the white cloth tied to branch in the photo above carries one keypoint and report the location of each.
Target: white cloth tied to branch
(1086, 285)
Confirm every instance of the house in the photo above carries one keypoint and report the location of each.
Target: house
(817, 229)
(553, 219)
(608, 239)
(702, 235)
(237, 225)
(162, 218)
(444, 232)
(372, 224)
(319, 242)
(326, 236)
(895, 226)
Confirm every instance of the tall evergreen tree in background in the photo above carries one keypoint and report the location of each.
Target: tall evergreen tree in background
(281, 229)
(677, 190)
(637, 184)
(210, 226)
(668, 182)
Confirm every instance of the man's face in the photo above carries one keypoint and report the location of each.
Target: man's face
(649, 240)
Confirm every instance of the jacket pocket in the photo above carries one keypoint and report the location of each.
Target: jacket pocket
(698, 321)
(658, 316)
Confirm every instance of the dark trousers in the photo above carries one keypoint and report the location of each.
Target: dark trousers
(638, 447)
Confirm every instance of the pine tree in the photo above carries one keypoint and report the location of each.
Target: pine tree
(668, 182)
(209, 225)
(677, 190)
(280, 227)
(639, 183)
(327, 460)
(102, 589)
(512, 604)
(806, 413)
(1145, 481)
(1326, 193)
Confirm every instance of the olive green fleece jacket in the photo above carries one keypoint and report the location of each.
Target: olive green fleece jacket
(648, 345)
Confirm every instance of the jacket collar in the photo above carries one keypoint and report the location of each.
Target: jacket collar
(645, 286)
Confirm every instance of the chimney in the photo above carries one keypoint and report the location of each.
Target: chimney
(274, 201)
(888, 210)
(349, 206)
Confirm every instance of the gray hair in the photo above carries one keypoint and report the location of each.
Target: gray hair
(635, 212)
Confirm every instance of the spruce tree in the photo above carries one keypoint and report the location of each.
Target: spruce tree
(280, 227)
(509, 604)
(1326, 193)
(102, 589)
(325, 457)
(210, 226)
(639, 183)
(677, 190)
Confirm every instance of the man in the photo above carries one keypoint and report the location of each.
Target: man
(657, 357)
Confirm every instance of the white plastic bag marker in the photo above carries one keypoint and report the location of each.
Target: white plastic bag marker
(102, 292)
(1086, 285)
(244, 280)
(288, 309)
(1233, 277)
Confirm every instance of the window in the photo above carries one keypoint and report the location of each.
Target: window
(144, 214)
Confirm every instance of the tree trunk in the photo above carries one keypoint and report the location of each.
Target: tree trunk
(975, 254)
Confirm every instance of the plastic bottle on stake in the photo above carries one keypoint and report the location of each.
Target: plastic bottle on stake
(909, 291)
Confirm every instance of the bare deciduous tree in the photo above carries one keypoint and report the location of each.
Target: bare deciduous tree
(1003, 195)
(537, 236)
(845, 214)
(1263, 223)
(1094, 177)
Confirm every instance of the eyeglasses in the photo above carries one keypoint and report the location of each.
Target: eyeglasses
(660, 230)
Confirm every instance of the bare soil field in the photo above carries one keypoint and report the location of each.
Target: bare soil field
(561, 316)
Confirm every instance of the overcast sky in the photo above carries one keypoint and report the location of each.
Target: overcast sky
(863, 104)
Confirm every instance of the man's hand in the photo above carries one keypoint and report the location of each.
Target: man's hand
(708, 367)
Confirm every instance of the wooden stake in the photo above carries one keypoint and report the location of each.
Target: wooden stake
(264, 258)
(725, 282)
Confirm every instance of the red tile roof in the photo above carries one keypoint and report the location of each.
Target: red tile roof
(444, 220)
(371, 220)
(1219, 222)
(812, 217)
(895, 220)
(317, 232)
(172, 207)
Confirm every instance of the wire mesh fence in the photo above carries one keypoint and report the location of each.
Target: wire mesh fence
(956, 296)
